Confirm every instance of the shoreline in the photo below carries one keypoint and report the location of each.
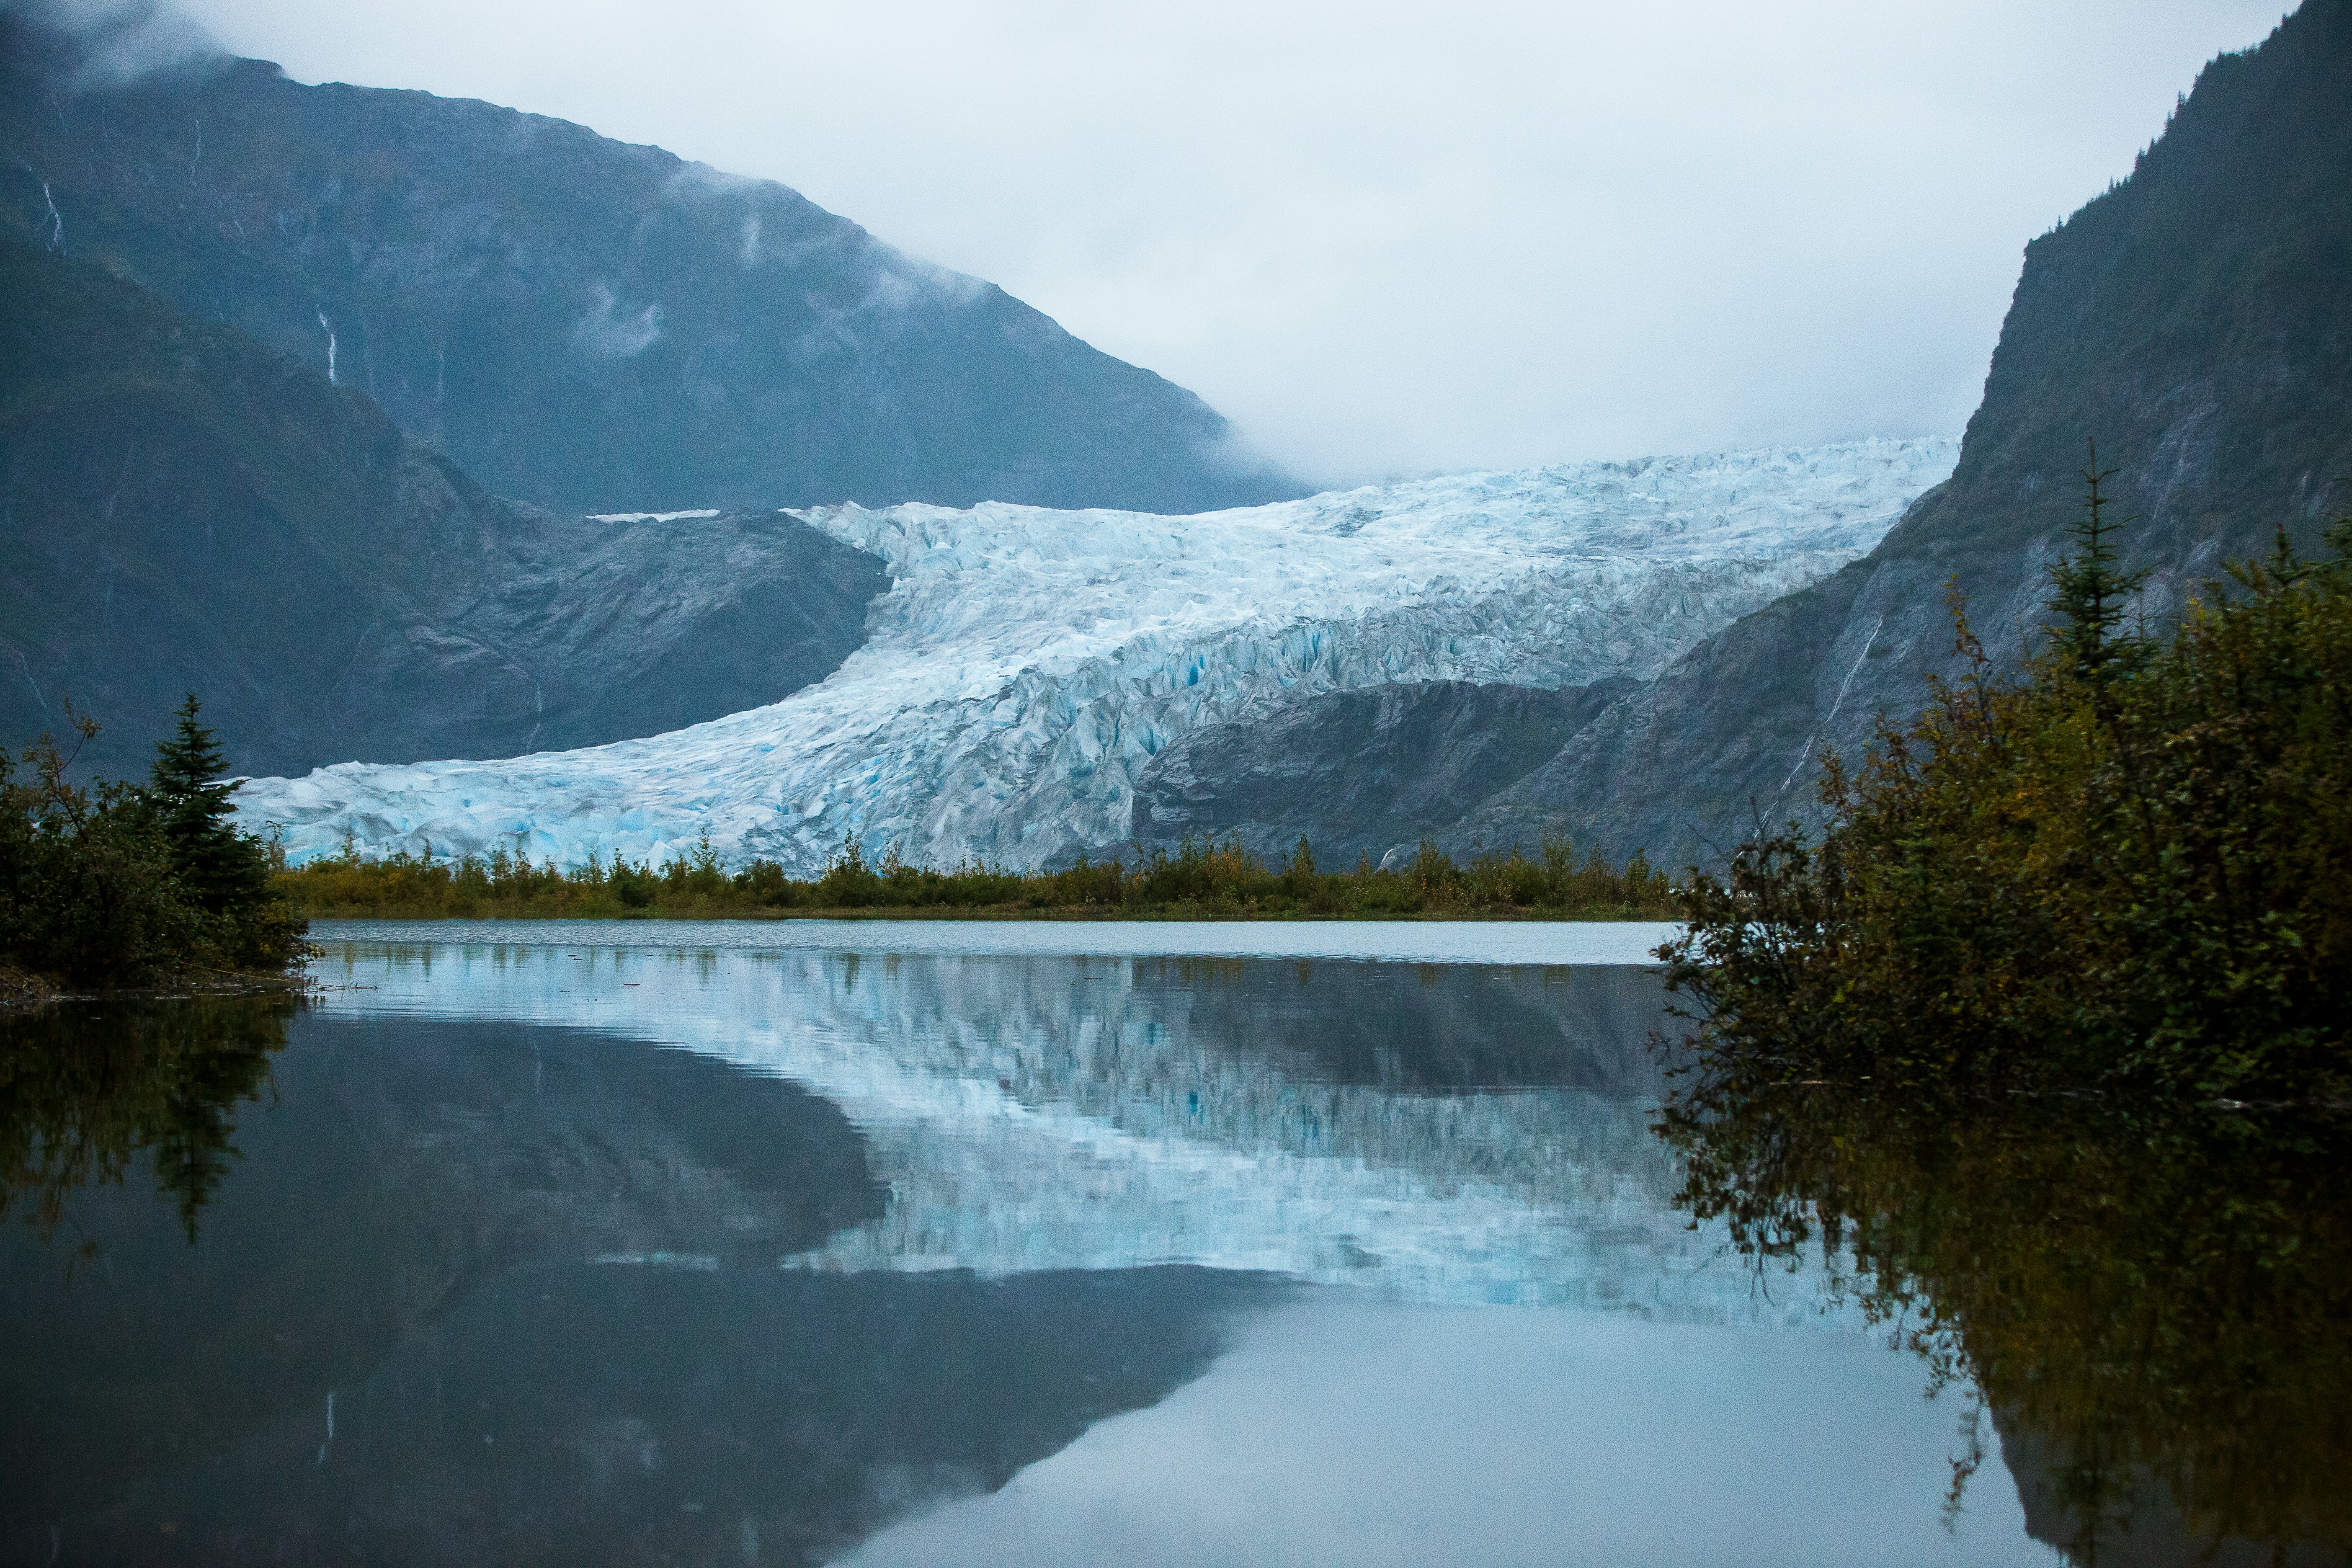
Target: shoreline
(1081, 914)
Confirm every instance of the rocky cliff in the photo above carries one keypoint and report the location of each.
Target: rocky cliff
(579, 322)
(1368, 772)
(183, 510)
(2196, 320)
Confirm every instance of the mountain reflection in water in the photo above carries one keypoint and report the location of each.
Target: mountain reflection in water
(1454, 1133)
(499, 1254)
(489, 1293)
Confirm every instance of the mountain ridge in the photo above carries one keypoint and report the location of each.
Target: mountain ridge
(2196, 319)
(584, 324)
(182, 508)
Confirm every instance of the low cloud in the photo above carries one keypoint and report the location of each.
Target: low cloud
(612, 330)
(1387, 238)
(115, 41)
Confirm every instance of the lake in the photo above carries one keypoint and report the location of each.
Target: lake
(942, 1242)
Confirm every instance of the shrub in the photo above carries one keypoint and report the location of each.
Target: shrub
(2125, 868)
(113, 883)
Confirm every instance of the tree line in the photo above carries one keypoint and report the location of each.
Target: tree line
(1199, 879)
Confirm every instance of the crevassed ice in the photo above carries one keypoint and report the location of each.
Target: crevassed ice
(1026, 662)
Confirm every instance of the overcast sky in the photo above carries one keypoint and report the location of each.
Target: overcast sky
(1393, 239)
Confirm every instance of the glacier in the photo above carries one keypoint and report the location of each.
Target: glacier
(1026, 661)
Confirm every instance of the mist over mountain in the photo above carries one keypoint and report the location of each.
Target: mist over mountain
(578, 322)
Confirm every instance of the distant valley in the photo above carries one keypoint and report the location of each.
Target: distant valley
(1028, 666)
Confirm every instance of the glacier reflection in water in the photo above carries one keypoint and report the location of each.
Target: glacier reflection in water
(1443, 1135)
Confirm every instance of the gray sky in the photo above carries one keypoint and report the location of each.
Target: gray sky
(1391, 239)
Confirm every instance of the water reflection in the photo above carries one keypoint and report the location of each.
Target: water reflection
(595, 1254)
(2154, 1310)
(496, 1293)
(1443, 1133)
(84, 1091)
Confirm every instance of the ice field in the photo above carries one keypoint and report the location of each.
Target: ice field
(1025, 662)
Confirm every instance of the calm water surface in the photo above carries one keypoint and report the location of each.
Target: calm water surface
(1415, 942)
(929, 1244)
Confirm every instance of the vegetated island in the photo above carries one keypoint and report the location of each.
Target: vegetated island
(119, 884)
(1202, 880)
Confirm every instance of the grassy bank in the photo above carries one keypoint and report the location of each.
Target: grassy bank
(1198, 881)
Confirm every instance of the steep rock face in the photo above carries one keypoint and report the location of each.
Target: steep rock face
(1365, 773)
(2196, 319)
(1026, 663)
(2141, 1525)
(581, 322)
(182, 509)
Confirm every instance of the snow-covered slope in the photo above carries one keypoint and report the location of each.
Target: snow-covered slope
(1026, 661)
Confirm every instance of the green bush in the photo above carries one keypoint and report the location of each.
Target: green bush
(2125, 870)
(114, 883)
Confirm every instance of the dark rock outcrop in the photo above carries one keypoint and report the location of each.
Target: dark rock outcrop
(2142, 1525)
(1360, 773)
(580, 322)
(183, 510)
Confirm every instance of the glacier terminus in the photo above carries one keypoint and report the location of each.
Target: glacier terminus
(1026, 661)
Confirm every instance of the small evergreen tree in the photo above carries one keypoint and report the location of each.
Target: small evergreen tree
(220, 870)
(2089, 593)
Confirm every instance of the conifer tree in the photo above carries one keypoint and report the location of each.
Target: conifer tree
(219, 869)
(2088, 591)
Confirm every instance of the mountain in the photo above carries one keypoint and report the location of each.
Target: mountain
(1365, 772)
(1028, 664)
(582, 324)
(2196, 320)
(183, 510)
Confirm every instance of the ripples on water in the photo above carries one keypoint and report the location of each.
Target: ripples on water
(927, 1243)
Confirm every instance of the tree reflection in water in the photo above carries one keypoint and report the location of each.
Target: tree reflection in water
(85, 1091)
(2151, 1308)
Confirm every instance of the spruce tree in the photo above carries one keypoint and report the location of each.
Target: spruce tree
(2089, 592)
(219, 869)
